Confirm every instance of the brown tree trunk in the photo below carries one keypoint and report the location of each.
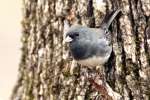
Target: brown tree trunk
(44, 74)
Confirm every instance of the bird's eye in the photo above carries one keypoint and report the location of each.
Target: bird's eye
(76, 34)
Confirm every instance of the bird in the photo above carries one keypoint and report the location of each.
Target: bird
(91, 46)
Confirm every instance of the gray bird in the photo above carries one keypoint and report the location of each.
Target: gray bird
(91, 46)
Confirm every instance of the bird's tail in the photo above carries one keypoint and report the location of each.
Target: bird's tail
(109, 18)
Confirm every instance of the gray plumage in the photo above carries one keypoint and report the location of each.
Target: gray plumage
(90, 46)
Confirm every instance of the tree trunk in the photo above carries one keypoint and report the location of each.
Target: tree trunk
(44, 74)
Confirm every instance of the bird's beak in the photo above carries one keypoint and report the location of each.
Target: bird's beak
(68, 39)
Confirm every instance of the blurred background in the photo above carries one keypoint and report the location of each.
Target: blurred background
(10, 32)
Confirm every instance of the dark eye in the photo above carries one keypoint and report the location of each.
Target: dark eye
(74, 35)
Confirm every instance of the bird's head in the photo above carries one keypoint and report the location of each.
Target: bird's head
(78, 33)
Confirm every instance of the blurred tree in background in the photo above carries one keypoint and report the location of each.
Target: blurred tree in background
(44, 74)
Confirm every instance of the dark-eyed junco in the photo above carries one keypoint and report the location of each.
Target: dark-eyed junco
(91, 46)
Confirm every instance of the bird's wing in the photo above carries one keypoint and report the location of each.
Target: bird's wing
(104, 47)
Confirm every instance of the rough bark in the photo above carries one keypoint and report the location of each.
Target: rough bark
(44, 74)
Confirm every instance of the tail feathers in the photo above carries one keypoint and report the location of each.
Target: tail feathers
(109, 18)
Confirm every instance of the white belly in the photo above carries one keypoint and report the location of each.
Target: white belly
(93, 61)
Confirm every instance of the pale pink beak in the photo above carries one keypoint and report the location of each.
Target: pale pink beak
(68, 39)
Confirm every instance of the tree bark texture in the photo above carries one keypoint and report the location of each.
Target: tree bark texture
(44, 74)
